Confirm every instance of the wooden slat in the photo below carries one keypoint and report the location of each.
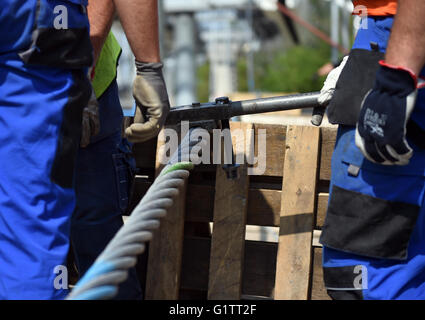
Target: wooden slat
(166, 247)
(275, 152)
(228, 237)
(259, 268)
(328, 136)
(296, 221)
(318, 291)
(263, 205)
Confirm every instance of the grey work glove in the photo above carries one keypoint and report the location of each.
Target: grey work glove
(327, 92)
(152, 104)
(91, 122)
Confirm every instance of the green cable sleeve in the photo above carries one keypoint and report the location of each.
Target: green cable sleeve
(179, 166)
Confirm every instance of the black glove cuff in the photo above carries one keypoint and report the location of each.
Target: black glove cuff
(397, 81)
(148, 66)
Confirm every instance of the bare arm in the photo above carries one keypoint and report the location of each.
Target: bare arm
(406, 47)
(101, 14)
(139, 19)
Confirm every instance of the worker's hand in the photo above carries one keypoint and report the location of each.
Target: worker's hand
(381, 128)
(328, 89)
(150, 93)
(327, 92)
(91, 123)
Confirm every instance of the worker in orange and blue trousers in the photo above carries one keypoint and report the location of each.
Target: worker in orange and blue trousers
(374, 232)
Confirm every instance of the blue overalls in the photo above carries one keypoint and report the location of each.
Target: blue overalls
(374, 231)
(44, 56)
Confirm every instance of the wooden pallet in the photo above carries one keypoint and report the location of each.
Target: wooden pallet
(201, 250)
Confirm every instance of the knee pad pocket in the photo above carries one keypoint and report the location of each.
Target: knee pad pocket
(368, 226)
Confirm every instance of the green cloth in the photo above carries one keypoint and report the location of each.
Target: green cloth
(106, 66)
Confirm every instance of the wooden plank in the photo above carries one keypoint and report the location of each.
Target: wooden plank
(263, 205)
(259, 268)
(328, 136)
(275, 143)
(322, 207)
(297, 213)
(228, 237)
(166, 247)
(318, 291)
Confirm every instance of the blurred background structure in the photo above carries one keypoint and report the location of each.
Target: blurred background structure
(244, 48)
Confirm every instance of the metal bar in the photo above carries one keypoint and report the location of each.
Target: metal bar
(220, 111)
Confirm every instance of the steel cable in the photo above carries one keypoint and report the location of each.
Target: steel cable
(110, 269)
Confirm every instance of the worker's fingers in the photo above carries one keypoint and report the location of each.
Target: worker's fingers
(141, 132)
(325, 96)
(95, 124)
(90, 121)
(401, 151)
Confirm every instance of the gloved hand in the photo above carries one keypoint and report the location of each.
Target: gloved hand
(327, 92)
(150, 93)
(91, 122)
(381, 128)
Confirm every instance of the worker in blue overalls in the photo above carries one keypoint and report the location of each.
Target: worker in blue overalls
(45, 54)
(374, 229)
(105, 166)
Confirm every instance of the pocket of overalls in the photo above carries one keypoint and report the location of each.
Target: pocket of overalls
(122, 180)
(370, 224)
(125, 171)
(60, 36)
